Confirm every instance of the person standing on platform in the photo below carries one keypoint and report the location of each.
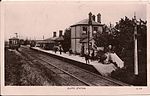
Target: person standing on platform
(82, 50)
(110, 51)
(55, 49)
(60, 49)
(70, 51)
(92, 55)
(87, 56)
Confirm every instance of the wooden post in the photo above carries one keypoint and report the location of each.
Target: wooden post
(135, 48)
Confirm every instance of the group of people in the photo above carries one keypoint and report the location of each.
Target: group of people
(89, 56)
(58, 48)
(103, 57)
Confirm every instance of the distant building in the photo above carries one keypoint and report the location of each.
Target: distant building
(80, 30)
(49, 43)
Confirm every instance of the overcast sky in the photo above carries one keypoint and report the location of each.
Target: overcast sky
(35, 19)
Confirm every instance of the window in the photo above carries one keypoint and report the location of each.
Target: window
(14, 41)
(10, 42)
(84, 29)
(95, 29)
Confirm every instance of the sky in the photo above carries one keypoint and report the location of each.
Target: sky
(33, 20)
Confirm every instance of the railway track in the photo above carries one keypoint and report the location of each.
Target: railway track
(65, 77)
(74, 75)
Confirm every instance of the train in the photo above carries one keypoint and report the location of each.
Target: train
(14, 43)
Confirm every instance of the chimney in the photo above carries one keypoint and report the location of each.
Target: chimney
(93, 17)
(54, 34)
(90, 18)
(60, 33)
(99, 17)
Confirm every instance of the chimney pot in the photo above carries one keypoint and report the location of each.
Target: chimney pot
(60, 33)
(99, 17)
(54, 34)
(93, 17)
(90, 18)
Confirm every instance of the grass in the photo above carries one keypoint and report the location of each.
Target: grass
(18, 72)
(127, 74)
(13, 68)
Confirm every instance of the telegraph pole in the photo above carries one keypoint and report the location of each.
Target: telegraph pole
(90, 30)
(43, 37)
(135, 48)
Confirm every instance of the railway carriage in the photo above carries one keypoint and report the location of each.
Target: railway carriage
(14, 43)
(22, 42)
(32, 43)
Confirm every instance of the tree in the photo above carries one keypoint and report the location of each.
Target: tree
(125, 40)
(125, 36)
(101, 38)
(125, 49)
(66, 44)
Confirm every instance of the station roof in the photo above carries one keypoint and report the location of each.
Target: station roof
(59, 39)
(48, 41)
(14, 38)
(55, 39)
(51, 40)
(86, 22)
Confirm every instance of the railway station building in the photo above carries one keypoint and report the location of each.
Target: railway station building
(80, 30)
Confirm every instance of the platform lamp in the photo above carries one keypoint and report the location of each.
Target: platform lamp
(90, 30)
(16, 35)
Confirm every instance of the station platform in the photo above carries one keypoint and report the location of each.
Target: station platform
(103, 69)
